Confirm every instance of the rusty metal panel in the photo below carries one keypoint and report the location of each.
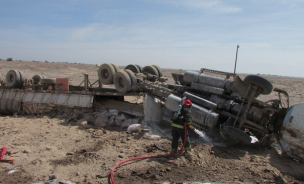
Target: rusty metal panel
(62, 84)
(292, 132)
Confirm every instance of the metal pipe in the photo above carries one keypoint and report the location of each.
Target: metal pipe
(209, 89)
(200, 101)
(236, 54)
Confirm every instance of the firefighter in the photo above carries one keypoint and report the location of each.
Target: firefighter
(178, 127)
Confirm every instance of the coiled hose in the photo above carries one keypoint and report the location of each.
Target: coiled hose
(145, 157)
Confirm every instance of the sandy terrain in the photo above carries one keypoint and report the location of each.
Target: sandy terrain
(48, 148)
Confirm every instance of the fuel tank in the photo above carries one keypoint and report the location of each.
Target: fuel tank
(291, 140)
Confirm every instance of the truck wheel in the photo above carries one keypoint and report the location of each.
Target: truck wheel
(262, 83)
(106, 73)
(132, 77)
(122, 81)
(140, 68)
(22, 78)
(160, 72)
(133, 68)
(12, 78)
(48, 81)
(151, 70)
(37, 78)
(235, 134)
(116, 68)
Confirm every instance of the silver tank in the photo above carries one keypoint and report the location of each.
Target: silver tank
(206, 88)
(199, 114)
(195, 77)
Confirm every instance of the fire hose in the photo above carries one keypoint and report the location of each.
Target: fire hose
(4, 150)
(158, 156)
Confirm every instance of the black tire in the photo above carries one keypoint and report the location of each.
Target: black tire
(133, 68)
(235, 134)
(132, 77)
(12, 78)
(264, 84)
(140, 68)
(151, 70)
(160, 72)
(48, 81)
(22, 78)
(106, 73)
(116, 68)
(122, 81)
(37, 78)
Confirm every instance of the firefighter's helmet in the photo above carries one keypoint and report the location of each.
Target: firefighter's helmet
(188, 103)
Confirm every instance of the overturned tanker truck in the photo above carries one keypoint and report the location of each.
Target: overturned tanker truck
(221, 100)
(231, 105)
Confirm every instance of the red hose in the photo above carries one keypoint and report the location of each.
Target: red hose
(145, 157)
(4, 150)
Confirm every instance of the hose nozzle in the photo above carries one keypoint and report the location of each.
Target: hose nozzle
(191, 127)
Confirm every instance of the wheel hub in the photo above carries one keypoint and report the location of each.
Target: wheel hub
(121, 83)
(105, 73)
(11, 78)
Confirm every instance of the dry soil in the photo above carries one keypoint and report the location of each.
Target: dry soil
(48, 148)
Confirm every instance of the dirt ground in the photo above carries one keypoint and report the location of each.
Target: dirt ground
(46, 148)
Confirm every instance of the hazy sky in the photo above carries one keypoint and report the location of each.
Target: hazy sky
(188, 34)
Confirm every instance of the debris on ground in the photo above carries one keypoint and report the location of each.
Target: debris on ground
(77, 144)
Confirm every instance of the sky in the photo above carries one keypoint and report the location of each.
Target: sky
(177, 34)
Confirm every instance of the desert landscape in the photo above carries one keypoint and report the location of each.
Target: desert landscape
(51, 148)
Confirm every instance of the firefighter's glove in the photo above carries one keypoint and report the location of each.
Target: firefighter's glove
(190, 127)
